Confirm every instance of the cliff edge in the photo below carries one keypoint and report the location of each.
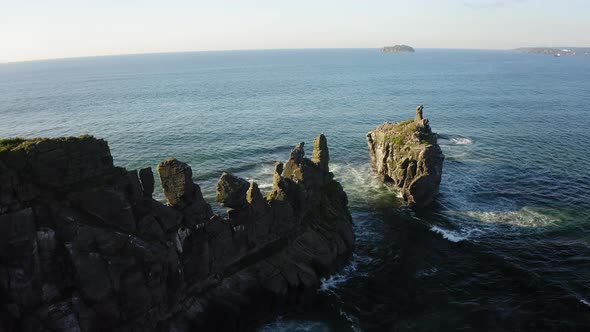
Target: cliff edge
(85, 247)
(407, 154)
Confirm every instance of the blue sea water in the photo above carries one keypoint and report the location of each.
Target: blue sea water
(506, 246)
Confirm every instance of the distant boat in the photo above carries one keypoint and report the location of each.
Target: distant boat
(557, 55)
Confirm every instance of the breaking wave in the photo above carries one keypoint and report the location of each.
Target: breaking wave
(363, 186)
(455, 140)
(461, 140)
(447, 234)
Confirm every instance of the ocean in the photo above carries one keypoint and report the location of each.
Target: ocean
(505, 247)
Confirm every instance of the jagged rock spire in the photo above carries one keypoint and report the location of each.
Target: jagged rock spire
(277, 174)
(177, 182)
(297, 153)
(293, 166)
(419, 117)
(147, 181)
(320, 155)
(253, 195)
(181, 192)
(419, 120)
(231, 191)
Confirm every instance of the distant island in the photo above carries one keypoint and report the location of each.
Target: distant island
(556, 51)
(397, 49)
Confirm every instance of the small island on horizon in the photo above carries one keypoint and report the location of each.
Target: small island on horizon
(556, 51)
(397, 49)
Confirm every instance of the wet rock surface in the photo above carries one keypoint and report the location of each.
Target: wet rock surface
(407, 154)
(84, 247)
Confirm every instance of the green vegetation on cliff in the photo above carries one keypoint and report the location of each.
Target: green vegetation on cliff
(20, 143)
(406, 133)
(10, 143)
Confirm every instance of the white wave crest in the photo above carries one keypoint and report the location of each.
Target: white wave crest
(525, 217)
(363, 186)
(461, 140)
(329, 284)
(262, 175)
(448, 234)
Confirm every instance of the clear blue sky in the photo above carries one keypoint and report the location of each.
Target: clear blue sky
(41, 29)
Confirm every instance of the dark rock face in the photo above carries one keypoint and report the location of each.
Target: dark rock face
(407, 154)
(146, 177)
(180, 191)
(231, 191)
(84, 247)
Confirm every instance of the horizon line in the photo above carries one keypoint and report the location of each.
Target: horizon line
(266, 49)
(243, 50)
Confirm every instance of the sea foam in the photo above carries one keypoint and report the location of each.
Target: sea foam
(330, 283)
(461, 140)
(448, 234)
(524, 217)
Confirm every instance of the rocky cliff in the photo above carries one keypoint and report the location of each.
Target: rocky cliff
(407, 154)
(85, 247)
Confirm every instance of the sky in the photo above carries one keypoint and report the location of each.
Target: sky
(46, 29)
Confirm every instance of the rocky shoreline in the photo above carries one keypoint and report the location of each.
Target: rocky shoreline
(407, 154)
(85, 247)
(556, 51)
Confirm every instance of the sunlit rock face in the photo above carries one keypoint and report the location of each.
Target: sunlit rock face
(407, 154)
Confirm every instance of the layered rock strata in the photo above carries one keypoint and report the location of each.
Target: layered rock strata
(407, 154)
(85, 247)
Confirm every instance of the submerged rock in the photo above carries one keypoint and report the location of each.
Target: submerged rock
(85, 247)
(407, 154)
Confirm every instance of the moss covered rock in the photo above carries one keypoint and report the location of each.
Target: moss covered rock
(407, 154)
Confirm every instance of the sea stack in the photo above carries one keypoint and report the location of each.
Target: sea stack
(407, 154)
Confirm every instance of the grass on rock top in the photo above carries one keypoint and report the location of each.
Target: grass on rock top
(406, 132)
(19, 143)
(10, 143)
